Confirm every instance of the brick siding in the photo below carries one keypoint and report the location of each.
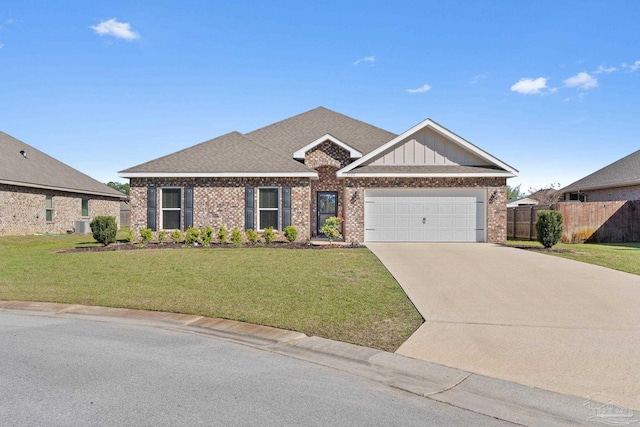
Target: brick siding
(22, 210)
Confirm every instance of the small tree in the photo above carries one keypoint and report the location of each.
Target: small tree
(104, 229)
(549, 228)
(291, 233)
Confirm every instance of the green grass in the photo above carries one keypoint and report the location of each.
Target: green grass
(618, 256)
(341, 294)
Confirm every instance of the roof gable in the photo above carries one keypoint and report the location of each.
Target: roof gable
(621, 173)
(38, 170)
(353, 153)
(229, 155)
(429, 149)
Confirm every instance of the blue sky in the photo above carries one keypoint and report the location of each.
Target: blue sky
(552, 88)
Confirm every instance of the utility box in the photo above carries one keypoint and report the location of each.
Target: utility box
(81, 227)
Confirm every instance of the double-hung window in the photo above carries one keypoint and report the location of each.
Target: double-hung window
(85, 207)
(171, 208)
(268, 208)
(49, 208)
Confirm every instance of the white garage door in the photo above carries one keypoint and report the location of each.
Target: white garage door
(420, 215)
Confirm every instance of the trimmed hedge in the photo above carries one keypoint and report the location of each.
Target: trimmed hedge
(549, 228)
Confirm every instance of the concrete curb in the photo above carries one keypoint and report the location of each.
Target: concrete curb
(495, 398)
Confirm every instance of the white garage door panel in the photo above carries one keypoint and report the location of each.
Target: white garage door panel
(421, 215)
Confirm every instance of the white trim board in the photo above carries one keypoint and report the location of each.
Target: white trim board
(353, 153)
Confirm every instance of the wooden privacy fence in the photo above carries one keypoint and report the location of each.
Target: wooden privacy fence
(606, 222)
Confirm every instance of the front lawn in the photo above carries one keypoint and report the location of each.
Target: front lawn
(618, 256)
(342, 294)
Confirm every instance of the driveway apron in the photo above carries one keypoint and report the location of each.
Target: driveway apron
(513, 314)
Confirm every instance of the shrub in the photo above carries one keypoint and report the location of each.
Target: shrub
(176, 236)
(549, 228)
(269, 235)
(236, 237)
(191, 235)
(222, 235)
(162, 236)
(206, 234)
(252, 236)
(146, 234)
(104, 229)
(331, 228)
(291, 233)
(129, 236)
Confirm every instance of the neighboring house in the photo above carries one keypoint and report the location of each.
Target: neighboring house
(524, 201)
(618, 181)
(39, 194)
(427, 184)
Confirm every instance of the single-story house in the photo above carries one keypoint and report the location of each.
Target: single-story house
(618, 181)
(523, 201)
(39, 194)
(426, 184)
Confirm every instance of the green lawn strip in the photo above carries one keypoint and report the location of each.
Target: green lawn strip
(341, 294)
(618, 256)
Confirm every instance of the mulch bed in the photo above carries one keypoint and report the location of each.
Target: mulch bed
(137, 247)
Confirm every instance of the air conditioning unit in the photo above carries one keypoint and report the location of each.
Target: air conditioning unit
(81, 227)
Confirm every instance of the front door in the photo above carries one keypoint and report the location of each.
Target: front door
(327, 207)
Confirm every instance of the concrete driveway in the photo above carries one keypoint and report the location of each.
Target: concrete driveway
(531, 318)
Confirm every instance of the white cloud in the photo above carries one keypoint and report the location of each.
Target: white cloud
(478, 78)
(582, 80)
(566, 100)
(527, 86)
(1, 45)
(112, 27)
(366, 60)
(601, 69)
(635, 66)
(421, 89)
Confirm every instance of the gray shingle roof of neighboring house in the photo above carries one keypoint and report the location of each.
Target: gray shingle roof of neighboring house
(38, 170)
(291, 134)
(621, 173)
(230, 153)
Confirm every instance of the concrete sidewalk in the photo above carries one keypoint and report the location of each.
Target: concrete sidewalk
(531, 318)
(502, 400)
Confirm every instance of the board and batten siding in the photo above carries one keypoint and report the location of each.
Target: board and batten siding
(427, 147)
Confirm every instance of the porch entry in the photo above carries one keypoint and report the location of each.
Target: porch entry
(327, 207)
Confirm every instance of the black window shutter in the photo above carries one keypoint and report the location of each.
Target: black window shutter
(249, 210)
(151, 208)
(286, 207)
(188, 207)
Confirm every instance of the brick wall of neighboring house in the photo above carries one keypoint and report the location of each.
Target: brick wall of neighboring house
(326, 158)
(221, 201)
(496, 206)
(23, 210)
(631, 192)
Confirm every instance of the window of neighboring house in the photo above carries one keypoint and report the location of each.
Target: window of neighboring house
(268, 208)
(171, 208)
(49, 208)
(580, 197)
(85, 207)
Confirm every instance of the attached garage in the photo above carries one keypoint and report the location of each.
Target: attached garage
(425, 215)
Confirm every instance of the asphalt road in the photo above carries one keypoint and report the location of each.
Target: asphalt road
(72, 372)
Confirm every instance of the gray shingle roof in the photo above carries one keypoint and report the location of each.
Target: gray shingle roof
(40, 170)
(291, 134)
(623, 172)
(230, 153)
